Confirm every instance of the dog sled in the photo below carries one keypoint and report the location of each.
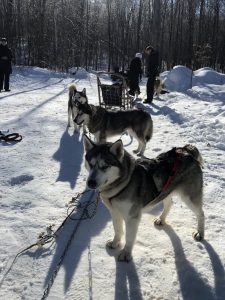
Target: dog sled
(115, 93)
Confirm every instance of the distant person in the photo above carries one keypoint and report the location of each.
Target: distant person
(135, 73)
(152, 71)
(5, 64)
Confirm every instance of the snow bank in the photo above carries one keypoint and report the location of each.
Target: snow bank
(178, 79)
(181, 78)
(208, 76)
(39, 176)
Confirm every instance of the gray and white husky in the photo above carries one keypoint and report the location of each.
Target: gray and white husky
(103, 123)
(158, 86)
(128, 186)
(75, 97)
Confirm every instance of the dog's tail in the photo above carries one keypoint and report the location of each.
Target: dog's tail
(72, 90)
(195, 153)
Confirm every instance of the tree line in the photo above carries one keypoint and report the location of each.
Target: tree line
(101, 34)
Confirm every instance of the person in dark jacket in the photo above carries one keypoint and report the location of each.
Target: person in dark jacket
(5, 65)
(134, 74)
(152, 71)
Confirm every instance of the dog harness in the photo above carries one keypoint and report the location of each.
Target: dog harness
(179, 153)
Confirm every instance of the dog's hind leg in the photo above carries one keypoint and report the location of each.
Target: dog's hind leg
(167, 202)
(195, 204)
(141, 146)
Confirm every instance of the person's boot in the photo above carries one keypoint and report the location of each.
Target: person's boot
(147, 101)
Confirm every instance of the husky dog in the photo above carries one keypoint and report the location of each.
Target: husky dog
(158, 86)
(128, 186)
(103, 123)
(74, 98)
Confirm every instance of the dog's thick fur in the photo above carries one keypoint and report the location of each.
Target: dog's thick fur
(74, 97)
(103, 123)
(158, 86)
(128, 186)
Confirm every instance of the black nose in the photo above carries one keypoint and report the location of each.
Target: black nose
(91, 184)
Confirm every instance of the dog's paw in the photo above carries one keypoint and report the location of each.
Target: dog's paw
(139, 154)
(112, 244)
(135, 151)
(158, 222)
(197, 236)
(125, 256)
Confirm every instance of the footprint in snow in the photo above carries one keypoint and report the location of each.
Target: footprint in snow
(21, 180)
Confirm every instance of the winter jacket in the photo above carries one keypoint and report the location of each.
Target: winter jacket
(135, 66)
(5, 59)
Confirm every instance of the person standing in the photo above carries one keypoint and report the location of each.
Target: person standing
(5, 65)
(134, 74)
(152, 71)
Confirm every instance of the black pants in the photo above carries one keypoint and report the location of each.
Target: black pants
(4, 80)
(150, 86)
(134, 83)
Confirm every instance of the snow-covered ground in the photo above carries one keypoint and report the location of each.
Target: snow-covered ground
(39, 175)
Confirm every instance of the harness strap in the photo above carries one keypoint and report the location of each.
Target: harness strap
(114, 196)
(176, 164)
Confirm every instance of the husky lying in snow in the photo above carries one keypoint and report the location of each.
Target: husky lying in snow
(74, 97)
(128, 186)
(103, 123)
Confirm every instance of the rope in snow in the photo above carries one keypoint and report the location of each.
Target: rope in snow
(12, 137)
(55, 272)
(88, 208)
(90, 273)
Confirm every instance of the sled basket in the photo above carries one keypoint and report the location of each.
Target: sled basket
(114, 94)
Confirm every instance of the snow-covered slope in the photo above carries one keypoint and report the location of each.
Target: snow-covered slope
(39, 175)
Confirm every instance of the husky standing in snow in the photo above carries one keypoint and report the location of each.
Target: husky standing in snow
(75, 97)
(128, 186)
(104, 123)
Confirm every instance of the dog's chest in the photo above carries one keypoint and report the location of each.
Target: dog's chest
(122, 207)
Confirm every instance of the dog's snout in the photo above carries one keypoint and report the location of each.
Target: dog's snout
(91, 184)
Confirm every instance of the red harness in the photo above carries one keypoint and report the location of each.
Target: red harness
(179, 152)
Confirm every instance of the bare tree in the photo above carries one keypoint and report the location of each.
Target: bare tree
(95, 33)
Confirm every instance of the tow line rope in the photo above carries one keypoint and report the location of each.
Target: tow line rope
(55, 272)
(12, 137)
(88, 210)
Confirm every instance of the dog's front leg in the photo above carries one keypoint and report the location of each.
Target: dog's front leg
(69, 116)
(131, 232)
(76, 128)
(118, 229)
(85, 131)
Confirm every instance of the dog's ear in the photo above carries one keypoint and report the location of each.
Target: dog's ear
(117, 150)
(84, 91)
(88, 144)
